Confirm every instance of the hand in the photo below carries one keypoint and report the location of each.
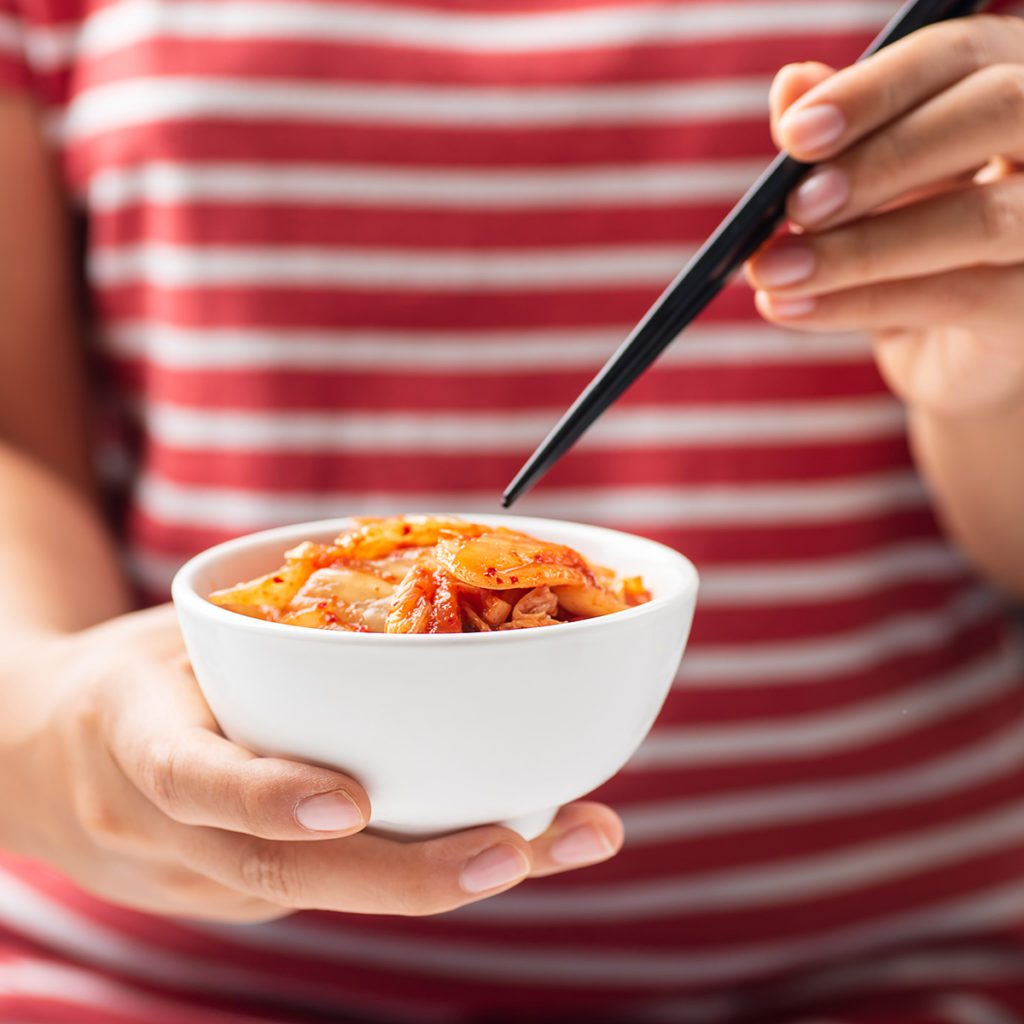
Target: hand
(912, 227)
(113, 771)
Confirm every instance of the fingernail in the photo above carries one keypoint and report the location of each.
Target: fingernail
(328, 812)
(789, 307)
(497, 866)
(581, 845)
(812, 128)
(821, 195)
(784, 263)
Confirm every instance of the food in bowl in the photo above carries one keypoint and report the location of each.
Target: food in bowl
(451, 730)
(431, 574)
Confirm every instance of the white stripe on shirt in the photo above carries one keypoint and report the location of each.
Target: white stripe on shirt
(752, 886)
(150, 101)
(469, 352)
(849, 727)
(982, 910)
(641, 184)
(235, 508)
(552, 268)
(749, 425)
(619, 26)
(683, 820)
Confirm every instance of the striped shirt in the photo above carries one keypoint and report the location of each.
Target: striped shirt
(357, 257)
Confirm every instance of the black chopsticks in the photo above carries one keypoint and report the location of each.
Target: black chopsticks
(750, 223)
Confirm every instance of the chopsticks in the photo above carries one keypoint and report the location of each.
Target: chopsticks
(750, 223)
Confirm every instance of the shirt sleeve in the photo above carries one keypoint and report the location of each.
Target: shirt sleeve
(14, 70)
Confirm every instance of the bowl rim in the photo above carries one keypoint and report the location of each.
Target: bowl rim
(186, 597)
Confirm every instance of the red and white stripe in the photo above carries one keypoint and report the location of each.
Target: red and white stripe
(357, 258)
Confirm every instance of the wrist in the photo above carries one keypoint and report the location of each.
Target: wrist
(974, 471)
(954, 375)
(997, 420)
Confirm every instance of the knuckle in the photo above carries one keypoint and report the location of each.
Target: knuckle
(1000, 214)
(958, 292)
(1007, 88)
(186, 892)
(248, 801)
(973, 38)
(94, 785)
(1009, 24)
(258, 793)
(892, 155)
(861, 255)
(188, 888)
(890, 96)
(872, 304)
(266, 870)
(101, 819)
(415, 885)
(81, 727)
(883, 159)
(160, 773)
(416, 899)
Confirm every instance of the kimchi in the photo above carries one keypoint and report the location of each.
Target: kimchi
(415, 574)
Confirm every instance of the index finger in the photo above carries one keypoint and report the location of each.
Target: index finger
(863, 97)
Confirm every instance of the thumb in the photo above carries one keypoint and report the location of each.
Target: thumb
(791, 82)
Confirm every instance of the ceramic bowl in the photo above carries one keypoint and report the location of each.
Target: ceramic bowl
(445, 731)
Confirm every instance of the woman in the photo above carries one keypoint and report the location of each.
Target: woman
(355, 258)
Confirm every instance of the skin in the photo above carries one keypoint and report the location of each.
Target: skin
(924, 248)
(111, 767)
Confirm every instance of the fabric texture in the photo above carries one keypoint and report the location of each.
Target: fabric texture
(356, 258)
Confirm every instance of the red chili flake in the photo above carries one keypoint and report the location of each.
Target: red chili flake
(490, 571)
(321, 605)
(513, 579)
(406, 529)
(278, 579)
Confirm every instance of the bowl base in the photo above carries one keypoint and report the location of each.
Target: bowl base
(529, 826)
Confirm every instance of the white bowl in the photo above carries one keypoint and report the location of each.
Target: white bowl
(445, 731)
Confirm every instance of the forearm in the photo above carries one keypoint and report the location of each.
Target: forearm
(58, 563)
(59, 574)
(58, 567)
(975, 468)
